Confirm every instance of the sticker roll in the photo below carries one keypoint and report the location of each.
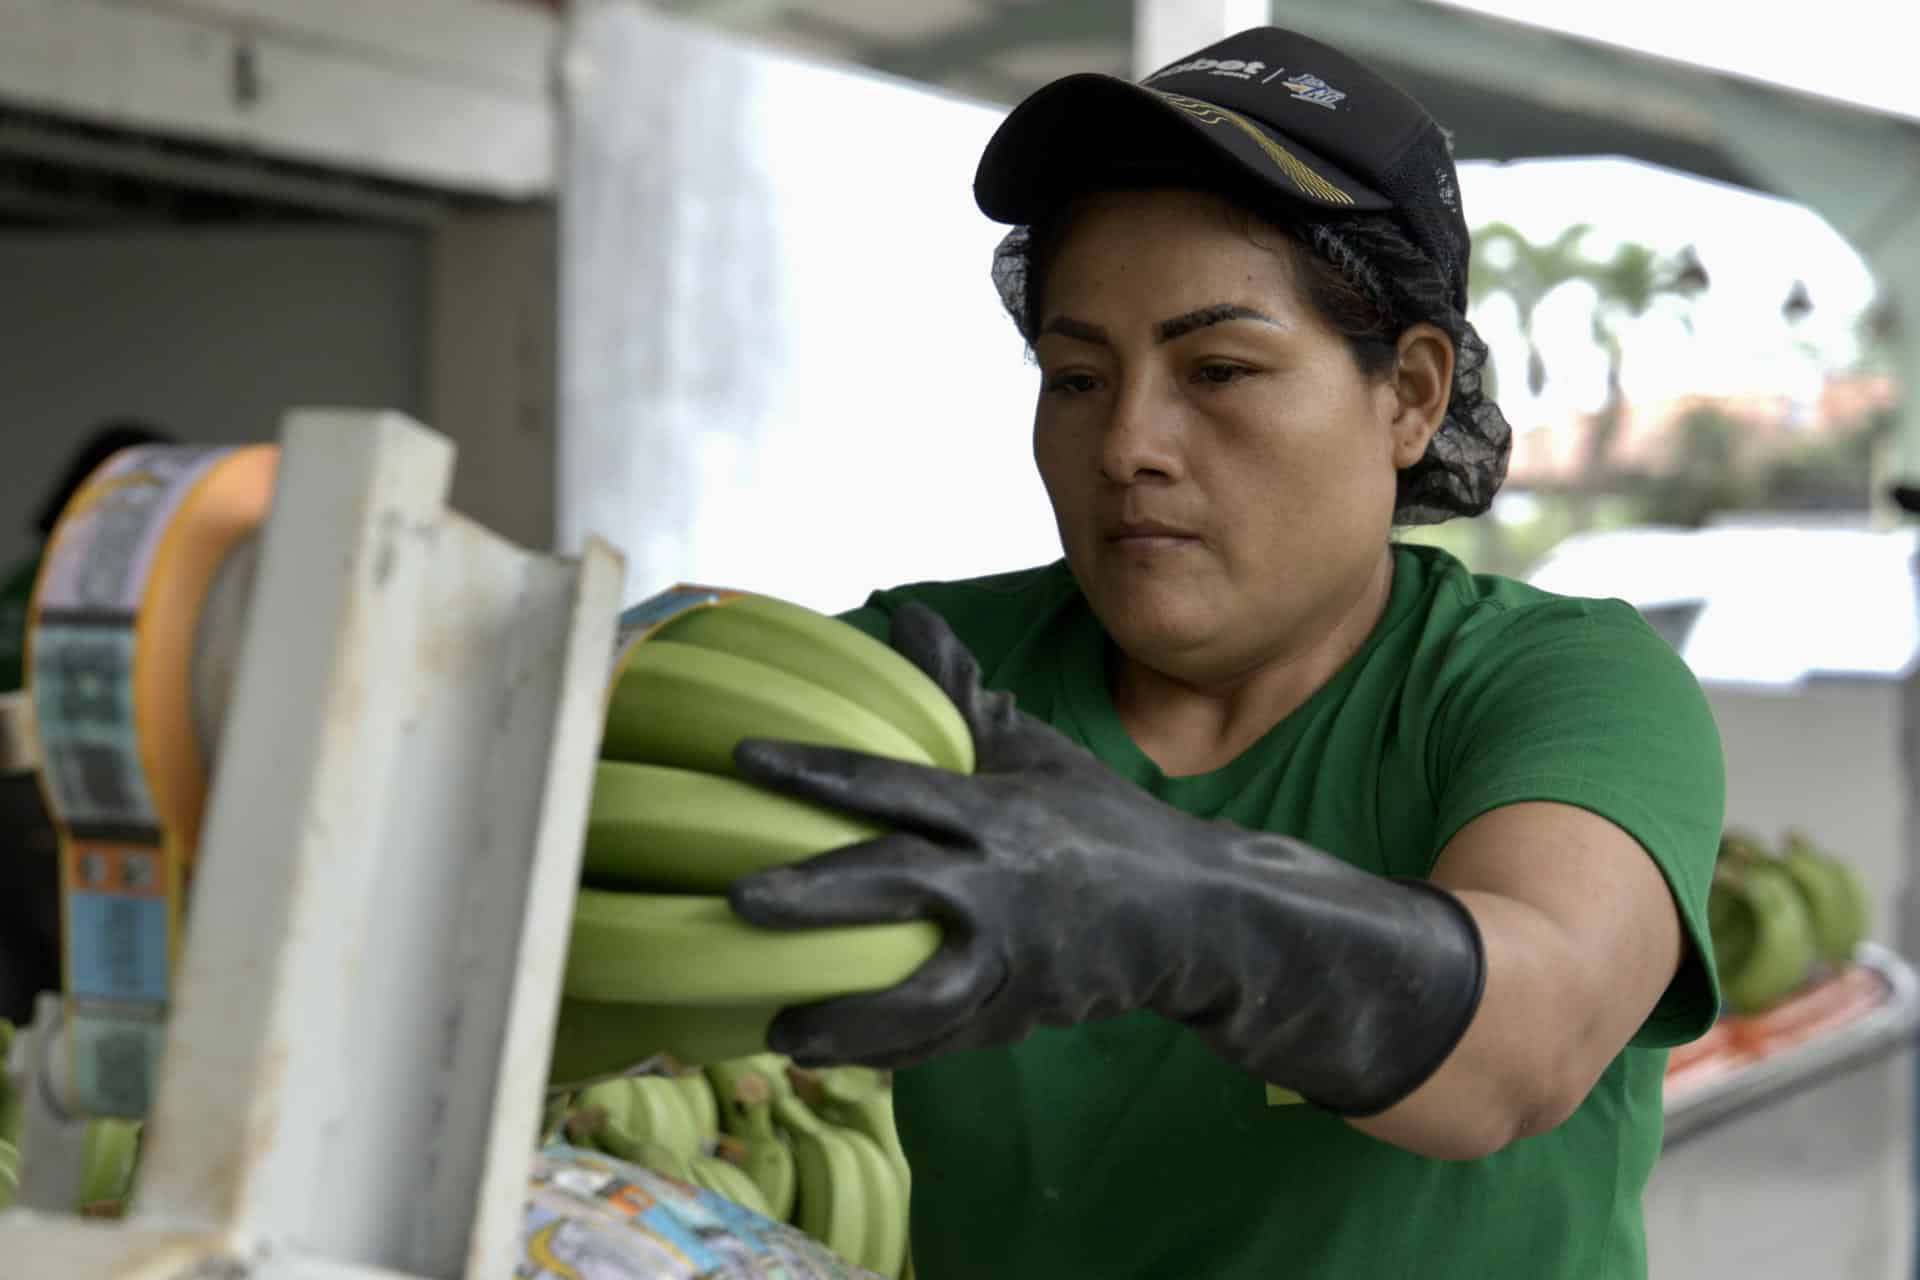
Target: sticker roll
(114, 625)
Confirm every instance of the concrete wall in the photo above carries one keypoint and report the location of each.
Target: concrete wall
(212, 333)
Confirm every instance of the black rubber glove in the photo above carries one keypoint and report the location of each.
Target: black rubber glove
(1067, 894)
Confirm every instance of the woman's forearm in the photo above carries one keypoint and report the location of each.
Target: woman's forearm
(1527, 1058)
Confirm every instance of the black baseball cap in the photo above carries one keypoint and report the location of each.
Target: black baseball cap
(1265, 115)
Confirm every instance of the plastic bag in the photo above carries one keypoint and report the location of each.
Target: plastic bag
(590, 1216)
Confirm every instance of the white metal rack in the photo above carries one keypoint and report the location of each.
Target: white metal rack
(355, 1059)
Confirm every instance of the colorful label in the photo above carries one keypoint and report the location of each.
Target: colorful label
(647, 617)
(83, 703)
(119, 886)
(114, 1050)
(104, 545)
(117, 922)
(591, 1217)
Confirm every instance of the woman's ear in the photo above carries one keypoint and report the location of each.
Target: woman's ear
(1422, 384)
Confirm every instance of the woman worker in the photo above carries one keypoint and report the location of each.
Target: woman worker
(1263, 797)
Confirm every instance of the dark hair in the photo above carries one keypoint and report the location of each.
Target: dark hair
(1368, 280)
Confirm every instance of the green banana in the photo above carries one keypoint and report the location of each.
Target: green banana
(1738, 845)
(679, 704)
(9, 1172)
(1828, 907)
(746, 1114)
(623, 1116)
(1783, 947)
(861, 1099)
(11, 1101)
(693, 1087)
(886, 1205)
(834, 655)
(602, 1117)
(1860, 905)
(691, 949)
(596, 1038)
(654, 826)
(110, 1149)
(831, 1202)
(1730, 921)
(671, 1120)
(1836, 899)
(723, 1179)
(663, 1159)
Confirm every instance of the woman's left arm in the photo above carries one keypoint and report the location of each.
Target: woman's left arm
(1581, 936)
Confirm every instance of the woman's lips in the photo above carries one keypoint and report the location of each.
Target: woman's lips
(1152, 538)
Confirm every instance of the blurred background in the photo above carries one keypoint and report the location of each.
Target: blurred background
(705, 278)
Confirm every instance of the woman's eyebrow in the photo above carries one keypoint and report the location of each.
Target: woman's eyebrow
(1068, 327)
(1166, 330)
(1200, 318)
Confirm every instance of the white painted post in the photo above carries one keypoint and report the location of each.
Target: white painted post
(1167, 29)
(353, 1075)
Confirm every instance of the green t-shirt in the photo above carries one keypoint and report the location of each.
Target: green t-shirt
(1125, 1148)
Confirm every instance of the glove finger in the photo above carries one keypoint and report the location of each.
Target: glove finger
(902, 1026)
(1004, 738)
(926, 640)
(885, 880)
(897, 793)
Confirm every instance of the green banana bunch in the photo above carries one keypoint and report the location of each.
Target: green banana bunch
(831, 1204)
(833, 655)
(692, 949)
(627, 1116)
(1836, 898)
(594, 1038)
(746, 1115)
(682, 705)
(1764, 943)
(676, 972)
(861, 1099)
(886, 1245)
(657, 827)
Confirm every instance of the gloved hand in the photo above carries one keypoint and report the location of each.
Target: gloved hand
(1067, 893)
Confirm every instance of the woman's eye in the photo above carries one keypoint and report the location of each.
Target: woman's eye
(1071, 382)
(1219, 375)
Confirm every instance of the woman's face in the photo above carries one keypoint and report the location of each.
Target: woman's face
(1222, 472)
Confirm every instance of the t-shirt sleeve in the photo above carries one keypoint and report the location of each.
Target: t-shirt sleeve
(1581, 702)
(870, 618)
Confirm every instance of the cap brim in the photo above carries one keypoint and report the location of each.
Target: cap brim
(1092, 132)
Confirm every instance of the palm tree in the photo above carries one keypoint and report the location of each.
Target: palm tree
(1623, 288)
(1506, 262)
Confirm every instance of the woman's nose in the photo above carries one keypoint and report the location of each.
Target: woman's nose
(1141, 436)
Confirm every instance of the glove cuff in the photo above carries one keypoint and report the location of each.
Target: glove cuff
(1351, 991)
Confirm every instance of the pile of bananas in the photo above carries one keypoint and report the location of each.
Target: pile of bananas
(657, 962)
(659, 969)
(814, 1148)
(1780, 918)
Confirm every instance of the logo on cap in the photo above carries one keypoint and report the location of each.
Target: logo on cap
(1309, 88)
(1232, 67)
